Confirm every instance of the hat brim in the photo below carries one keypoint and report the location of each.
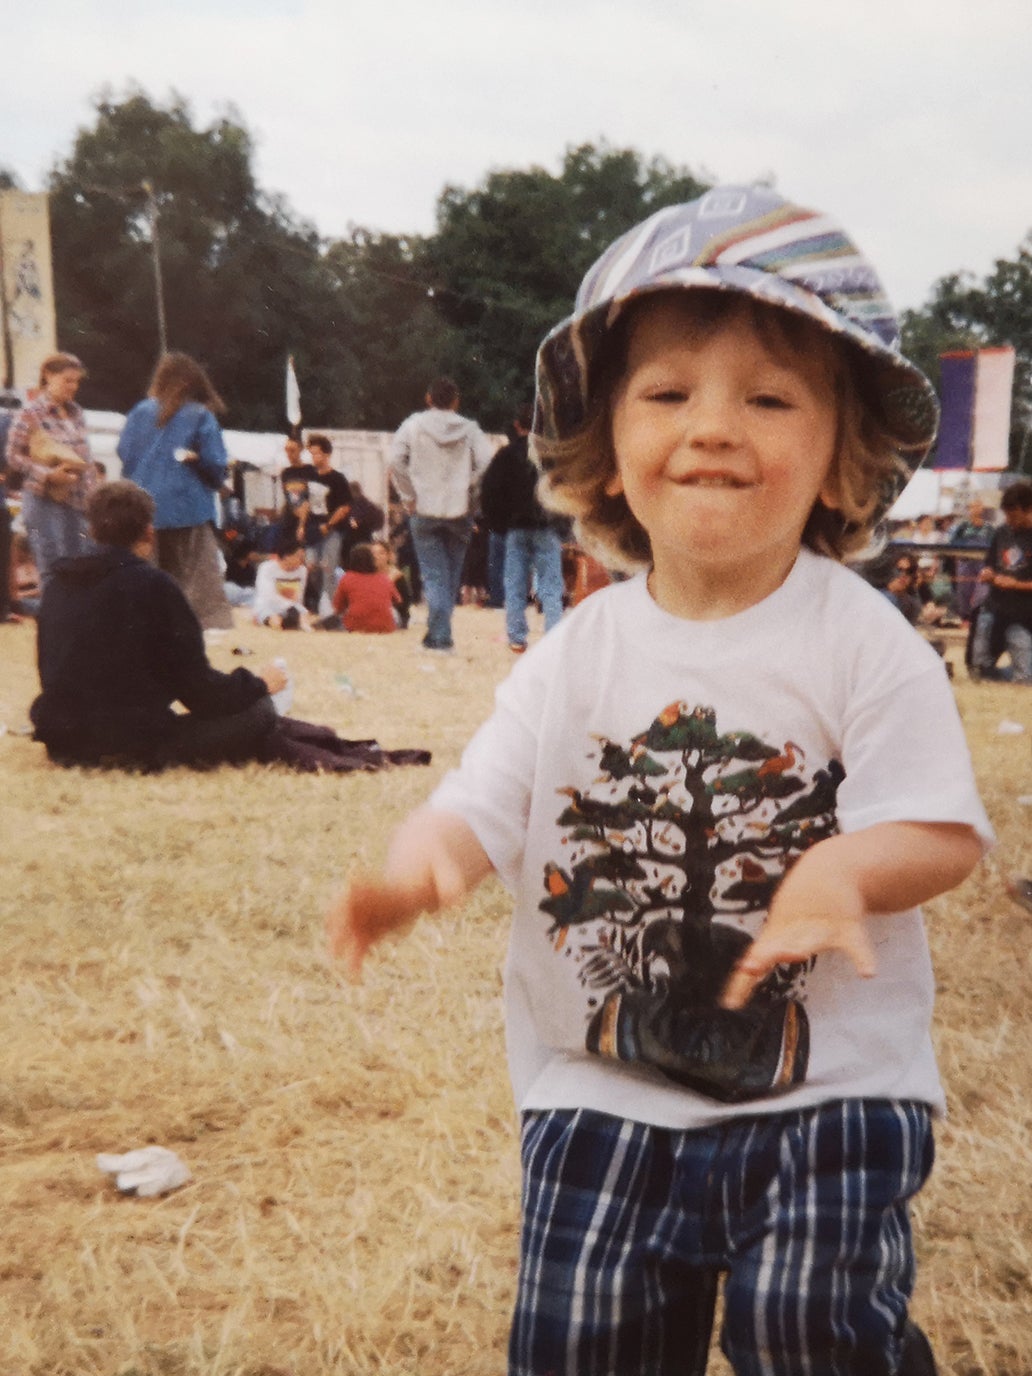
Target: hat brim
(567, 354)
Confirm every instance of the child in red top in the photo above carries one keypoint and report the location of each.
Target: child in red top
(365, 598)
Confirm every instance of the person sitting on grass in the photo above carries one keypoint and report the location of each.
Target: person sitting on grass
(119, 644)
(279, 588)
(366, 595)
(386, 562)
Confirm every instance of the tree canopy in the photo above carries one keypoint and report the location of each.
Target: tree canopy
(372, 317)
(369, 318)
(240, 275)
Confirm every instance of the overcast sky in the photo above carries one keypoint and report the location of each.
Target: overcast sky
(910, 120)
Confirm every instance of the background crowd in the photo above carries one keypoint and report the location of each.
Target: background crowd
(463, 524)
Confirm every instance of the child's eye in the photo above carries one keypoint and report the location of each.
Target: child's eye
(771, 401)
(668, 395)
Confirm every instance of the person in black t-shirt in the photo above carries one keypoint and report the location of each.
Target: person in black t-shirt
(1005, 619)
(329, 500)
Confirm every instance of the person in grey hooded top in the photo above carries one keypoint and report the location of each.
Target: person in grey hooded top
(437, 460)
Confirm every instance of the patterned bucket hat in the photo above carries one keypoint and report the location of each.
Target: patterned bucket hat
(744, 239)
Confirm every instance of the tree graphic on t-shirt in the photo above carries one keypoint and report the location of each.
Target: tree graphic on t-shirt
(673, 855)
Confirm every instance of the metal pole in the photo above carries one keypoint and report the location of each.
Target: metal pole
(159, 292)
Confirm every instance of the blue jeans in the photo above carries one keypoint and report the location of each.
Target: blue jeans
(1018, 640)
(55, 531)
(540, 552)
(495, 568)
(329, 560)
(440, 543)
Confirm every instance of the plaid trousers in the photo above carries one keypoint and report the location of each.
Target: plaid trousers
(627, 1229)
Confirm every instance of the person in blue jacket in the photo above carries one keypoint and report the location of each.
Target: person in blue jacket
(172, 447)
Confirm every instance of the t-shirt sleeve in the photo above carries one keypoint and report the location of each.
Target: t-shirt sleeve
(491, 789)
(905, 755)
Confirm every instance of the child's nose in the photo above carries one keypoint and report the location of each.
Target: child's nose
(710, 422)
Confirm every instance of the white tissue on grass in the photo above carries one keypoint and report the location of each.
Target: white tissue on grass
(146, 1172)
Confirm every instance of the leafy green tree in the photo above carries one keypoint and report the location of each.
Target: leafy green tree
(397, 337)
(242, 281)
(369, 319)
(507, 257)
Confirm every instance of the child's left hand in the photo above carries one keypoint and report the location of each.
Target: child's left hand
(809, 914)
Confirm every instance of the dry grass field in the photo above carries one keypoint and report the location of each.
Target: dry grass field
(354, 1197)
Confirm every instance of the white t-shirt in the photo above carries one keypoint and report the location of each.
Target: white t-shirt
(639, 788)
(277, 589)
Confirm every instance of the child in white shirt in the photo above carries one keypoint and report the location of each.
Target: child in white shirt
(717, 792)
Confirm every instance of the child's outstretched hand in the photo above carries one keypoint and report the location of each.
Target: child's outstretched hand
(805, 918)
(369, 909)
(434, 860)
(831, 894)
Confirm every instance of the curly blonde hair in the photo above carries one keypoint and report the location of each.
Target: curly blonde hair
(577, 471)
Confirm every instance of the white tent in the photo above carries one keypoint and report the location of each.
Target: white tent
(938, 492)
(361, 455)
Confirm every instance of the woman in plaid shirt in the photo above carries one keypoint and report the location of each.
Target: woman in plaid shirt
(54, 495)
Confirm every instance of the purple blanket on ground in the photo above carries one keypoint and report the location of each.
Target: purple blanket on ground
(307, 747)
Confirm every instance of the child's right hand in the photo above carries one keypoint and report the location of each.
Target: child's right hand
(434, 860)
(369, 909)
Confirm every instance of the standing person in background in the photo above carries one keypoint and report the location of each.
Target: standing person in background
(172, 447)
(294, 485)
(533, 544)
(437, 460)
(329, 496)
(1004, 621)
(9, 403)
(54, 493)
(976, 528)
(366, 519)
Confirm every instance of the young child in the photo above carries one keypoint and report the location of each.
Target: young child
(717, 792)
(279, 588)
(366, 596)
(386, 562)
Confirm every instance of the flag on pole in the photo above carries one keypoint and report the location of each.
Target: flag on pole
(994, 383)
(293, 394)
(976, 387)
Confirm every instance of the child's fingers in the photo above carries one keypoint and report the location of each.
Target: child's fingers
(365, 913)
(771, 949)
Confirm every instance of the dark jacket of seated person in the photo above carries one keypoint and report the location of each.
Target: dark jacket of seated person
(118, 644)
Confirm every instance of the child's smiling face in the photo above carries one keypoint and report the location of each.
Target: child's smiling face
(723, 444)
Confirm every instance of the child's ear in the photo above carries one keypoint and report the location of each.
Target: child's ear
(614, 485)
(830, 493)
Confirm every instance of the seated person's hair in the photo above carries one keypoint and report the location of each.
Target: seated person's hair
(362, 560)
(119, 513)
(1017, 497)
(577, 470)
(286, 545)
(321, 442)
(443, 393)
